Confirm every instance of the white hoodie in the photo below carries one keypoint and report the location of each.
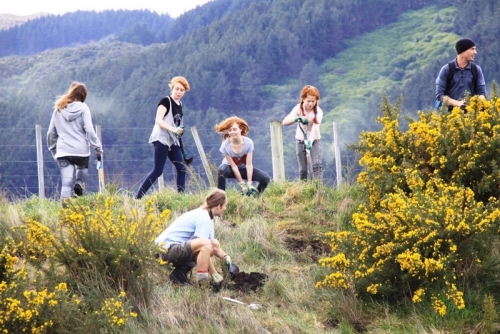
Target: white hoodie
(71, 132)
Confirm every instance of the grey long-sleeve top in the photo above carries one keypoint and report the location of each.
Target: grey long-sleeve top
(71, 132)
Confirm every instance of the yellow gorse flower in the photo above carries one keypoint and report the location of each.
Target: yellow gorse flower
(433, 193)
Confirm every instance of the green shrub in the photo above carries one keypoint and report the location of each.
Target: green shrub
(432, 216)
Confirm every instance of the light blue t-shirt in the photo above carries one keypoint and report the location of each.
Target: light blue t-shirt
(190, 225)
(240, 159)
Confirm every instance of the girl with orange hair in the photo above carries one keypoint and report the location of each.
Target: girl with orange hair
(165, 137)
(237, 149)
(308, 115)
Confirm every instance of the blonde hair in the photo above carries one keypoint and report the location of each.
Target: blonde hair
(180, 80)
(224, 126)
(306, 91)
(77, 92)
(214, 199)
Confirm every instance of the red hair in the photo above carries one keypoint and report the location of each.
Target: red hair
(180, 80)
(224, 126)
(309, 91)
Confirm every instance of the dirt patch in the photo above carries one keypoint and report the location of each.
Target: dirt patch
(313, 248)
(246, 282)
(330, 324)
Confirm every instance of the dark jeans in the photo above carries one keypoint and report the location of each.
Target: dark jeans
(225, 172)
(173, 153)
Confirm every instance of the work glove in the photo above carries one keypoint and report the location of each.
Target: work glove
(99, 157)
(217, 278)
(244, 187)
(302, 119)
(309, 145)
(251, 189)
(228, 261)
(178, 131)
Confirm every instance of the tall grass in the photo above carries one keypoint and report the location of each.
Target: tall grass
(275, 234)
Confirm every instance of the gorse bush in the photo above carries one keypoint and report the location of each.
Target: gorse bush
(92, 268)
(432, 218)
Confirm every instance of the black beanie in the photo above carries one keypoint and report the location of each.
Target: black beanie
(464, 44)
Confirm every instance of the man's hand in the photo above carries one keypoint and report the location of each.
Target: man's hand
(301, 119)
(99, 157)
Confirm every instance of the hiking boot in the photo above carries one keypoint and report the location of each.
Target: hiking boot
(180, 274)
(78, 189)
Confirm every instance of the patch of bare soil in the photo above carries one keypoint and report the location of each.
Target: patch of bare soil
(243, 282)
(313, 248)
(330, 324)
(246, 282)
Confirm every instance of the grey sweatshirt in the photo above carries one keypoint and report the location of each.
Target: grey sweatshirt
(71, 132)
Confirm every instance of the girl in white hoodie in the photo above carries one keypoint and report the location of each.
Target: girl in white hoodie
(69, 137)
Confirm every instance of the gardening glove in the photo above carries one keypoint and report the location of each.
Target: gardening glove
(99, 157)
(302, 119)
(309, 145)
(217, 278)
(244, 187)
(228, 261)
(251, 189)
(178, 131)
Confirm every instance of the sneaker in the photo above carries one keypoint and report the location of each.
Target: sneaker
(78, 189)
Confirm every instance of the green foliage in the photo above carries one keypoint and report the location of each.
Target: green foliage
(490, 315)
(381, 61)
(80, 27)
(94, 264)
(96, 256)
(430, 228)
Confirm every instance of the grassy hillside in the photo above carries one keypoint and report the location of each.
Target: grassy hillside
(382, 61)
(279, 234)
(127, 80)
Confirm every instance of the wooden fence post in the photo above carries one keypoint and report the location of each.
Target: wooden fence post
(338, 163)
(278, 159)
(39, 159)
(203, 156)
(101, 170)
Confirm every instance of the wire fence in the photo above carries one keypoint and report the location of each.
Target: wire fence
(128, 159)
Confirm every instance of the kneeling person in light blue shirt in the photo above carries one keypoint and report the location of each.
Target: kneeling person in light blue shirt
(189, 240)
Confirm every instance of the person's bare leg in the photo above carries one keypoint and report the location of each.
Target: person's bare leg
(206, 248)
(202, 247)
(216, 251)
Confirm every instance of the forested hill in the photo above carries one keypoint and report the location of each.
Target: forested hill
(9, 20)
(250, 60)
(81, 27)
(132, 26)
